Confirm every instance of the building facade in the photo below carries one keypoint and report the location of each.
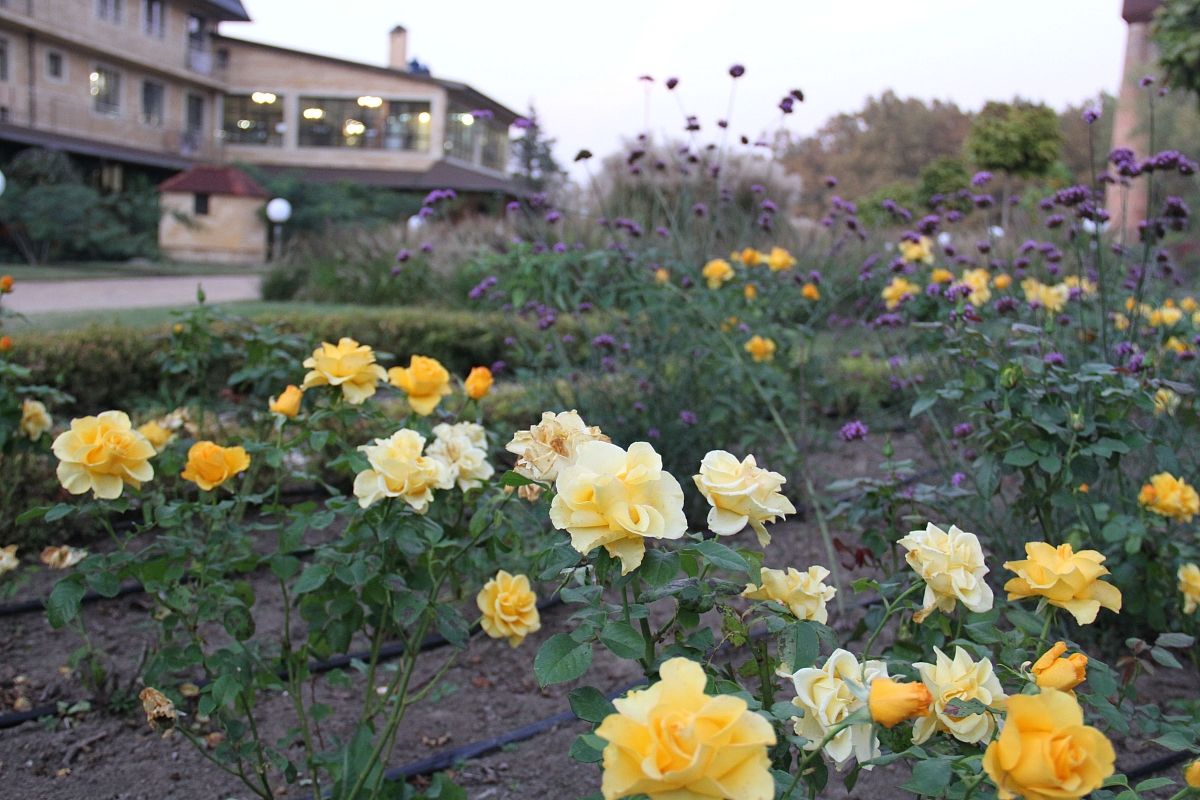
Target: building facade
(153, 84)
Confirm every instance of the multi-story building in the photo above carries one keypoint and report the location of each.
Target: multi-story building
(152, 85)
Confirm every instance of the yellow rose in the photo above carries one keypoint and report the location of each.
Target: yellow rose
(1189, 587)
(1189, 305)
(1169, 496)
(951, 564)
(1177, 345)
(1052, 298)
(750, 291)
(662, 275)
(828, 695)
(8, 559)
(760, 348)
(398, 469)
(891, 702)
(209, 465)
(1191, 775)
(1166, 402)
(941, 275)
(804, 593)
(509, 608)
(424, 380)
(478, 383)
(462, 450)
(1082, 284)
(62, 557)
(671, 741)
(1002, 281)
(958, 679)
(717, 272)
(1066, 579)
(1167, 317)
(920, 250)
(1045, 752)
(543, 450)
(1053, 671)
(809, 291)
(347, 364)
(779, 259)
(750, 257)
(103, 454)
(156, 435)
(1120, 321)
(898, 291)
(288, 403)
(616, 499)
(977, 281)
(741, 493)
(35, 420)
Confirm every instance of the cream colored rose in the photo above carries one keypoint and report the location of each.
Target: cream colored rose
(35, 420)
(1189, 587)
(615, 499)
(543, 450)
(741, 493)
(959, 679)
(398, 469)
(952, 566)
(804, 593)
(462, 450)
(828, 695)
(63, 557)
(8, 559)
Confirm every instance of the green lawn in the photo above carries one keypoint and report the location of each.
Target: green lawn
(150, 317)
(109, 269)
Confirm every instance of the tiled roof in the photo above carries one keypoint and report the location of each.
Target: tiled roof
(213, 180)
(231, 10)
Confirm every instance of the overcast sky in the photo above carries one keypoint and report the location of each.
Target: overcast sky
(579, 63)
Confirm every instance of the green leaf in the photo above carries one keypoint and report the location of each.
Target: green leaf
(1165, 657)
(561, 659)
(721, 556)
(1020, 456)
(451, 624)
(62, 605)
(59, 511)
(801, 645)
(623, 640)
(923, 404)
(930, 778)
(587, 748)
(589, 704)
(1153, 783)
(313, 578)
(1175, 640)
(511, 478)
(105, 583)
(30, 514)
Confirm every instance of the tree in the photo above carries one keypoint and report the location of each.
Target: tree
(1176, 29)
(536, 168)
(1020, 138)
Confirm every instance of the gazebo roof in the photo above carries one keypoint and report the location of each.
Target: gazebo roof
(209, 179)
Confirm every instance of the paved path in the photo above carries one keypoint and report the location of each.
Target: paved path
(36, 297)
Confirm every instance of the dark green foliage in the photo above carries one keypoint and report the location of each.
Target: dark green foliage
(1176, 29)
(534, 165)
(1020, 138)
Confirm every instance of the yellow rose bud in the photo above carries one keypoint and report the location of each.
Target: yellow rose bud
(156, 434)
(717, 272)
(35, 420)
(1053, 671)
(1045, 750)
(478, 383)
(1189, 587)
(760, 348)
(810, 292)
(288, 403)
(103, 454)
(62, 557)
(6, 344)
(779, 259)
(1191, 775)
(348, 365)
(6, 284)
(509, 608)
(891, 702)
(662, 275)
(672, 740)
(1002, 281)
(1066, 579)
(1171, 497)
(209, 465)
(424, 380)
(1083, 488)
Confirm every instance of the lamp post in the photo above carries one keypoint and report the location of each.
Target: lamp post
(3, 182)
(279, 211)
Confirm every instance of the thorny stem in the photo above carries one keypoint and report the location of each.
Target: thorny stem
(888, 608)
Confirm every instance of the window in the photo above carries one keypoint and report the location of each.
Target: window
(3, 59)
(460, 134)
(109, 10)
(200, 205)
(105, 85)
(153, 103)
(154, 21)
(197, 28)
(55, 66)
(194, 120)
(366, 122)
(253, 119)
(495, 146)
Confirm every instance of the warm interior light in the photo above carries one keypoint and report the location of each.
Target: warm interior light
(468, 119)
(423, 117)
(264, 98)
(370, 101)
(353, 128)
(314, 113)
(245, 124)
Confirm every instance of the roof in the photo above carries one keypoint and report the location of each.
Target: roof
(442, 175)
(209, 179)
(1135, 11)
(231, 10)
(92, 148)
(475, 98)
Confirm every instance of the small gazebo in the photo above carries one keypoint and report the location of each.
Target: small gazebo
(213, 214)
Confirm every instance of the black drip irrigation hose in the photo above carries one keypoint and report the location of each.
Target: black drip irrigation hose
(386, 653)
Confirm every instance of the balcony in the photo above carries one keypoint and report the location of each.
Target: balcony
(199, 61)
